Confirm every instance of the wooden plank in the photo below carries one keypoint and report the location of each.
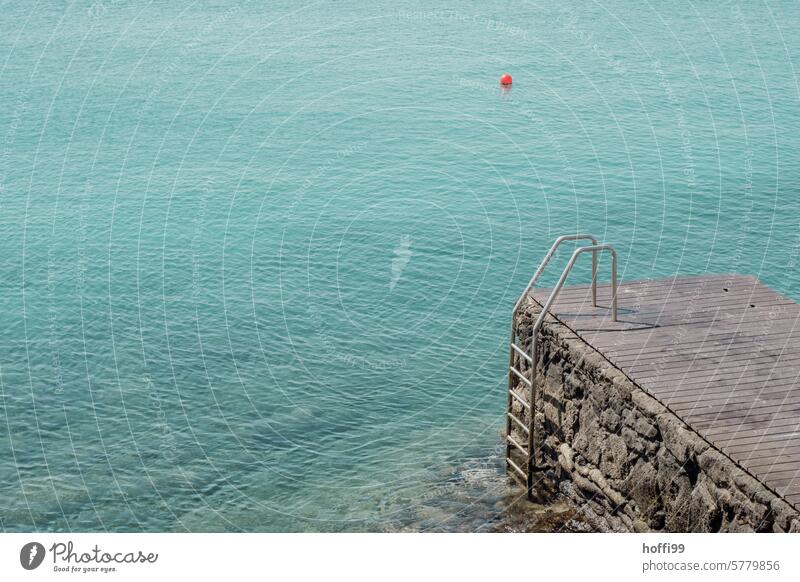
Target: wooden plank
(702, 409)
(767, 442)
(649, 287)
(648, 352)
(686, 297)
(766, 463)
(699, 336)
(782, 434)
(746, 422)
(783, 472)
(765, 449)
(784, 425)
(786, 484)
(690, 378)
(692, 369)
(749, 390)
(740, 413)
(705, 386)
(768, 315)
(634, 341)
(719, 392)
(657, 289)
(673, 306)
(790, 487)
(680, 354)
(740, 354)
(628, 329)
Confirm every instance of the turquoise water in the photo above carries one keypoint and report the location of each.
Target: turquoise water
(258, 258)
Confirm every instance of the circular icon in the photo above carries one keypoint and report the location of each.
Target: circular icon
(31, 555)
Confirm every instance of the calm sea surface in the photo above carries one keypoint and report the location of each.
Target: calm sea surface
(258, 258)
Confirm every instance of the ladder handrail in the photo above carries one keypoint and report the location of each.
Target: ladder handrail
(515, 374)
(549, 256)
(531, 283)
(557, 289)
(594, 249)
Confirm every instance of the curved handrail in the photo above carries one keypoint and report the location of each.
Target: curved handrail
(549, 256)
(557, 289)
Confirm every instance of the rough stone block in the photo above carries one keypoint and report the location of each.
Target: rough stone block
(565, 457)
(592, 362)
(622, 385)
(752, 489)
(682, 443)
(705, 514)
(633, 441)
(614, 459)
(647, 404)
(614, 496)
(586, 486)
(552, 412)
(610, 420)
(574, 385)
(642, 486)
(782, 513)
(570, 420)
(644, 427)
(717, 466)
(554, 383)
(675, 487)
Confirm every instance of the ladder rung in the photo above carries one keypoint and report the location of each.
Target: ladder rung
(519, 422)
(521, 353)
(516, 444)
(520, 399)
(519, 471)
(520, 376)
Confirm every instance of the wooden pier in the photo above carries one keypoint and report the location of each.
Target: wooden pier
(722, 352)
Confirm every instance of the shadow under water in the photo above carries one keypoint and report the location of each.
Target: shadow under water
(477, 496)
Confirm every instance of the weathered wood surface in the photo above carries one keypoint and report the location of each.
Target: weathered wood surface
(721, 351)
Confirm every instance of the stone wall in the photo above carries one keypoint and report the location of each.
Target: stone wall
(625, 460)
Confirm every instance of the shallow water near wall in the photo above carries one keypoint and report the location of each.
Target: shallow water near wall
(258, 259)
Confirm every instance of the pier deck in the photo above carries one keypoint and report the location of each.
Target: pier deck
(721, 351)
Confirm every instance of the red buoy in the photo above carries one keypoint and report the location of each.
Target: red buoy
(505, 79)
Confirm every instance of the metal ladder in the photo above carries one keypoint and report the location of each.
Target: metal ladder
(522, 365)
